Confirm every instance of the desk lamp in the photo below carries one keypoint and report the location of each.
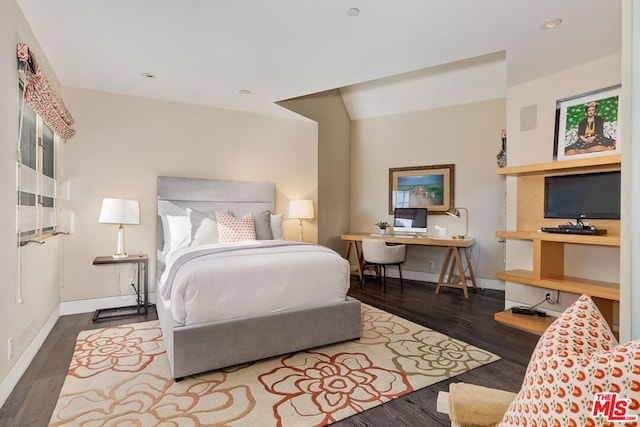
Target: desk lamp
(456, 212)
(120, 211)
(301, 209)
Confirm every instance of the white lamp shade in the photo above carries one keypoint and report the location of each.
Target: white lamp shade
(119, 211)
(301, 209)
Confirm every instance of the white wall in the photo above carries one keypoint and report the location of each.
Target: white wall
(40, 268)
(334, 145)
(123, 143)
(444, 85)
(466, 135)
(536, 146)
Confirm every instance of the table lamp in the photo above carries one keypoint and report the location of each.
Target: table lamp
(301, 209)
(456, 212)
(120, 211)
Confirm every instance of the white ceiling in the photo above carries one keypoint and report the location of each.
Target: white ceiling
(470, 80)
(206, 51)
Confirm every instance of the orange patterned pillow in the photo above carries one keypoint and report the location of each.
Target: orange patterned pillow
(574, 359)
(232, 229)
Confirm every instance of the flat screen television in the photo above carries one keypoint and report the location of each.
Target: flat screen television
(410, 220)
(583, 196)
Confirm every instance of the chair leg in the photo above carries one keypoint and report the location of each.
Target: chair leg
(384, 278)
(362, 274)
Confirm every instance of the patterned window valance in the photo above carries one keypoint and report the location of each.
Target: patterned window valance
(41, 98)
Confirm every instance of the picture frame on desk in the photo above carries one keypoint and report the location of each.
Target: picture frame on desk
(588, 125)
(430, 187)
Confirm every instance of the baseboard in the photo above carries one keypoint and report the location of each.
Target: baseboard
(15, 373)
(432, 277)
(90, 305)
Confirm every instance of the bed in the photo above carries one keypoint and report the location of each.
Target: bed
(223, 304)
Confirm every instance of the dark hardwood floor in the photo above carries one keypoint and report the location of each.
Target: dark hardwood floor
(471, 320)
(467, 319)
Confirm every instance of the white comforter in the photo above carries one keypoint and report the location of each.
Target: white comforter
(225, 281)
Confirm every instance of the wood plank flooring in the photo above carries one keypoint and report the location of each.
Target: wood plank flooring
(471, 320)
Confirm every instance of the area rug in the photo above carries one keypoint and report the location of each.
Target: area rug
(120, 376)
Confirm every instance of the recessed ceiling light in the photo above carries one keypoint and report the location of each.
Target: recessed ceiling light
(551, 24)
(354, 11)
(244, 92)
(147, 75)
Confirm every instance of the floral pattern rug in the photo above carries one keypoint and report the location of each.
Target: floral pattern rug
(120, 376)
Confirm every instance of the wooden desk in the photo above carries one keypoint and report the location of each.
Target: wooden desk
(452, 273)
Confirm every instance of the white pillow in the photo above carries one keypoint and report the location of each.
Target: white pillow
(276, 226)
(204, 228)
(177, 232)
(166, 247)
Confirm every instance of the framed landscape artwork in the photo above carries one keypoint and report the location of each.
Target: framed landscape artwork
(428, 187)
(588, 125)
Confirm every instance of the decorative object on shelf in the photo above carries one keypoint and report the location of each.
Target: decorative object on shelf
(301, 209)
(382, 225)
(422, 187)
(441, 231)
(502, 155)
(120, 211)
(588, 125)
(456, 212)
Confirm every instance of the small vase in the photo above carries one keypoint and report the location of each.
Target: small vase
(383, 231)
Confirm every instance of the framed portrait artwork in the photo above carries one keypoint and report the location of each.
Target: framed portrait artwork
(588, 125)
(428, 187)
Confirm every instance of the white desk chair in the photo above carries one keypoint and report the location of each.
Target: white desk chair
(376, 252)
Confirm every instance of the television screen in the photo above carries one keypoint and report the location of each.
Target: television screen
(583, 196)
(410, 220)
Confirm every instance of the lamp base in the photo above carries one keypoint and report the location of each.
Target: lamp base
(120, 253)
(300, 236)
(119, 256)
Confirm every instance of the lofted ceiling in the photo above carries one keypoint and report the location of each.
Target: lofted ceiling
(207, 51)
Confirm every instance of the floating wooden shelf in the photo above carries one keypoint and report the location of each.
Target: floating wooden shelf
(535, 324)
(581, 239)
(576, 285)
(591, 163)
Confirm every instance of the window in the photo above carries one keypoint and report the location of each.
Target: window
(36, 173)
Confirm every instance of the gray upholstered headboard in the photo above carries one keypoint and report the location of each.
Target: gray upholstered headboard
(175, 195)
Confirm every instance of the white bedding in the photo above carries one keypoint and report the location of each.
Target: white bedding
(252, 278)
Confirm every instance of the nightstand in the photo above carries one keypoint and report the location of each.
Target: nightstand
(141, 307)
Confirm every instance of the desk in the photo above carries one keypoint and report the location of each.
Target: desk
(140, 308)
(452, 273)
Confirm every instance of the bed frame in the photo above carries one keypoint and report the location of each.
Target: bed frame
(199, 348)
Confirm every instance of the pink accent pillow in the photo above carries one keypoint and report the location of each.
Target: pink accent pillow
(232, 229)
(574, 359)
